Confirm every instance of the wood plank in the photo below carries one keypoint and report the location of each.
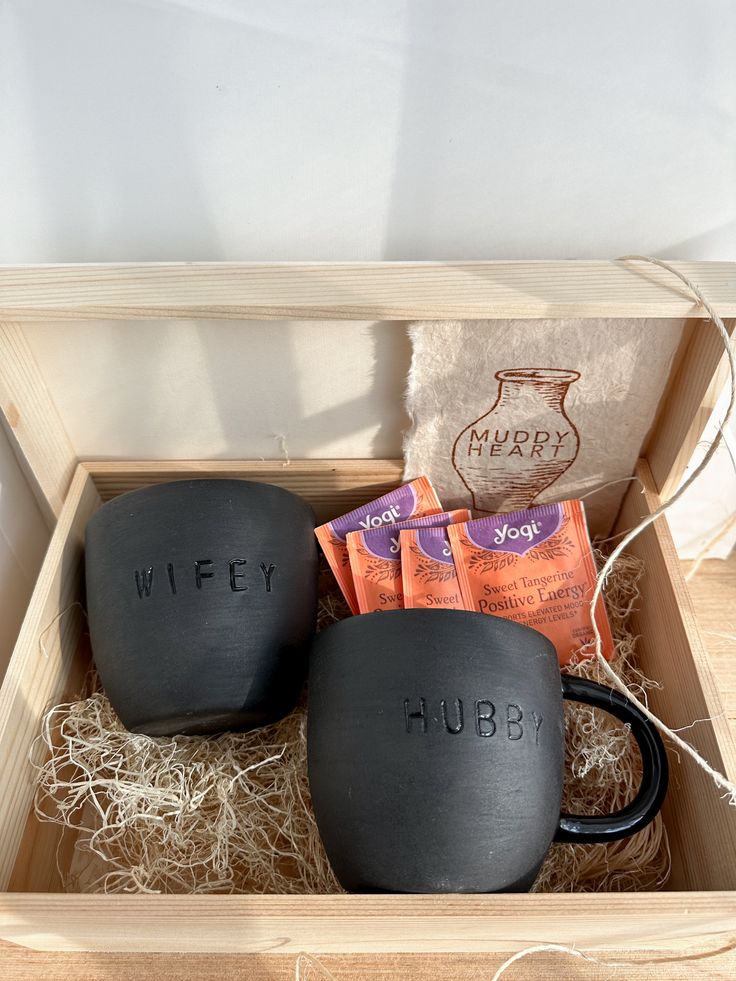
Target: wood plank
(671, 651)
(46, 850)
(713, 962)
(33, 422)
(332, 487)
(713, 592)
(44, 665)
(365, 924)
(360, 291)
(687, 405)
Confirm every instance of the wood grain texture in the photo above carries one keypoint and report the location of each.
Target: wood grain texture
(46, 850)
(671, 922)
(692, 392)
(700, 824)
(37, 432)
(714, 961)
(360, 291)
(332, 487)
(713, 592)
(44, 665)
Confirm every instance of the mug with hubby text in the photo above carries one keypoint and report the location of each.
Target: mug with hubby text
(436, 752)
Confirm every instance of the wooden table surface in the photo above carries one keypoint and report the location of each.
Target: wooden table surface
(713, 588)
(21, 965)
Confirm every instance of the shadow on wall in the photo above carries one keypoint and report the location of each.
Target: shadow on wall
(376, 415)
(148, 167)
(23, 540)
(225, 389)
(210, 129)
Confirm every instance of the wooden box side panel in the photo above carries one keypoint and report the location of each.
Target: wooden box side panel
(679, 923)
(697, 380)
(700, 823)
(332, 487)
(360, 290)
(43, 668)
(347, 291)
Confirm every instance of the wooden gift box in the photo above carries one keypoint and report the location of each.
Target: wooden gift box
(697, 910)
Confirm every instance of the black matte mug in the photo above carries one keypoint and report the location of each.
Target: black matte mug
(202, 598)
(436, 751)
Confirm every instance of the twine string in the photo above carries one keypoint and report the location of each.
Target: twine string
(57, 619)
(309, 961)
(718, 778)
(283, 448)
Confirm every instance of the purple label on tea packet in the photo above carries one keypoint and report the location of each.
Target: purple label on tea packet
(397, 505)
(384, 542)
(516, 532)
(435, 543)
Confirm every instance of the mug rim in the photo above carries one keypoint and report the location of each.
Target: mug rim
(499, 625)
(159, 490)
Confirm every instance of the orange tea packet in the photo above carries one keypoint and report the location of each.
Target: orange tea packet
(428, 570)
(411, 500)
(375, 560)
(535, 567)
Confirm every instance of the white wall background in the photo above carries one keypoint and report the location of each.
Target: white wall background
(336, 129)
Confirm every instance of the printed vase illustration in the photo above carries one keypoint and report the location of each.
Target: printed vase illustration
(508, 456)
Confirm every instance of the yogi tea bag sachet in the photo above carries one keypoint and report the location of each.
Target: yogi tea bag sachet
(535, 567)
(375, 560)
(412, 500)
(428, 570)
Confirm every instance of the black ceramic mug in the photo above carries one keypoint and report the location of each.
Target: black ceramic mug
(202, 598)
(436, 750)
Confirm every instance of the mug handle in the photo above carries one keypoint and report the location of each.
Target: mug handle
(585, 829)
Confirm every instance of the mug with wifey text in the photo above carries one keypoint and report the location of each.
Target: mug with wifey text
(202, 600)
